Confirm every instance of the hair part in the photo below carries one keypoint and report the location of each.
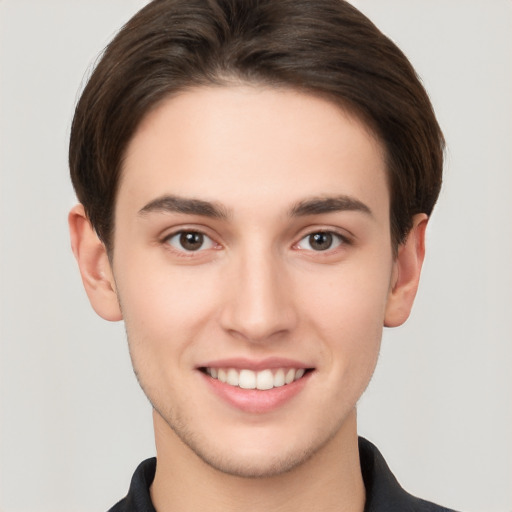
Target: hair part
(320, 47)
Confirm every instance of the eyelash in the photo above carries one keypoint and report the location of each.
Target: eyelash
(332, 236)
(178, 235)
(335, 238)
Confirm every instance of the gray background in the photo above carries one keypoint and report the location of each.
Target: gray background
(73, 423)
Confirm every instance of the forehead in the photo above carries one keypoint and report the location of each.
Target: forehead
(241, 144)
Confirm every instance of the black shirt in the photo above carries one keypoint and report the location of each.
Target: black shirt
(383, 492)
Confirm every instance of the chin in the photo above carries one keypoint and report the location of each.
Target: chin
(255, 464)
(255, 455)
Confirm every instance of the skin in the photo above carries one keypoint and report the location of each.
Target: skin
(257, 289)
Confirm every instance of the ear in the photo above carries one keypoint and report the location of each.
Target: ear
(406, 274)
(92, 258)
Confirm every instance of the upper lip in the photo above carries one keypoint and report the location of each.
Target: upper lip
(255, 365)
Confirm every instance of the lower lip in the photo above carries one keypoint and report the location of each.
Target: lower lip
(255, 400)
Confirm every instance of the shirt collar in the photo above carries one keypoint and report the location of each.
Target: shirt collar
(383, 492)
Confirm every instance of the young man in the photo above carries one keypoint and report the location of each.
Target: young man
(255, 179)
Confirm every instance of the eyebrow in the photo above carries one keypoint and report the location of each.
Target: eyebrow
(187, 206)
(312, 206)
(319, 205)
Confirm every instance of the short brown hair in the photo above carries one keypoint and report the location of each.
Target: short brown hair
(322, 47)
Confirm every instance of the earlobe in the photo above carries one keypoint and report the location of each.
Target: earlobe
(94, 265)
(406, 274)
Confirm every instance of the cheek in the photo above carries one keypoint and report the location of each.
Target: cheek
(166, 308)
(353, 294)
(348, 311)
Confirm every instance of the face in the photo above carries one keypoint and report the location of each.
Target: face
(254, 270)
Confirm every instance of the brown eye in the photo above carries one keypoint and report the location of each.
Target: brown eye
(190, 241)
(321, 241)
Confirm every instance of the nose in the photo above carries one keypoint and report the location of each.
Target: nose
(260, 305)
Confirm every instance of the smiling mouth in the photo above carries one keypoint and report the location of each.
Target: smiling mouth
(262, 380)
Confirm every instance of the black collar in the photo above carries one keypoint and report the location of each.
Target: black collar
(383, 492)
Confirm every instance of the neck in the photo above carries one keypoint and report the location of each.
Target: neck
(330, 480)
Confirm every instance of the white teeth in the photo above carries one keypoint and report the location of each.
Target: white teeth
(290, 375)
(232, 379)
(279, 378)
(247, 379)
(262, 380)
